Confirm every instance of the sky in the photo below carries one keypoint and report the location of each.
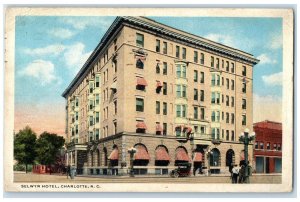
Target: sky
(51, 50)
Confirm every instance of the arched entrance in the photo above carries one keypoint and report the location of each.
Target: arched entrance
(215, 157)
(230, 157)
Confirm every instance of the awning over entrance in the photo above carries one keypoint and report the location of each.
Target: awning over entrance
(141, 153)
(114, 155)
(141, 81)
(181, 155)
(161, 154)
(141, 125)
(198, 157)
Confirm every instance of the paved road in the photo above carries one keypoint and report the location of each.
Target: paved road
(29, 177)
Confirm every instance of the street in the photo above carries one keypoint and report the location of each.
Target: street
(29, 177)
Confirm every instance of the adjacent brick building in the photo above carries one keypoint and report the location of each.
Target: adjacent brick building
(151, 86)
(268, 147)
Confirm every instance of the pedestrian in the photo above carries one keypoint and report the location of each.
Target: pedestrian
(194, 170)
(200, 168)
(242, 174)
(235, 174)
(68, 171)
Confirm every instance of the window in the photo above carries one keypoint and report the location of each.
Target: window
(213, 116)
(91, 120)
(76, 129)
(183, 53)
(232, 67)
(227, 134)
(76, 116)
(201, 77)
(97, 99)
(275, 146)
(165, 47)
(212, 61)
(213, 78)
(222, 98)
(202, 129)
(157, 107)
(202, 95)
(256, 145)
(227, 117)
(202, 58)
(181, 91)
(232, 135)
(244, 72)
(139, 104)
(244, 88)
(97, 117)
(184, 91)
(157, 45)
(195, 56)
(232, 101)
(165, 68)
(195, 112)
(180, 110)
(195, 76)
(244, 104)
(178, 90)
(222, 133)
(217, 116)
(217, 63)
(164, 128)
(227, 100)
(268, 146)
(91, 104)
(232, 118)
(91, 88)
(115, 128)
(232, 84)
(261, 145)
(215, 133)
(227, 83)
(97, 134)
(165, 88)
(91, 139)
(213, 97)
(243, 120)
(177, 51)
(222, 81)
(115, 65)
(116, 106)
(227, 66)
(202, 113)
(195, 94)
(157, 69)
(139, 40)
(139, 64)
(76, 101)
(218, 80)
(165, 108)
(181, 70)
(278, 147)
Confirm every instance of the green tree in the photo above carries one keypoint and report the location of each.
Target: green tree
(24, 146)
(48, 146)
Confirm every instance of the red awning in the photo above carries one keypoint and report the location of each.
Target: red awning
(141, 153)
(161, 154)
(158, 84)
(181, 155)
(141, 81)
(114, 155)
(141, 125)
(198, 157)
(159, 128)
(188, 129)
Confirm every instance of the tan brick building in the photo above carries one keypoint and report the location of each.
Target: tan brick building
(153, 87)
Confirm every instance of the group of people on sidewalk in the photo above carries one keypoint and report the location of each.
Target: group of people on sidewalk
(238, 173)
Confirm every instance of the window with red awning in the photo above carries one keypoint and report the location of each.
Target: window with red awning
(141, 81)
(141, 153)
(181, 155)
(159, 128)
(141, 125)
(114, 155)
(161, 154)
(198, 157)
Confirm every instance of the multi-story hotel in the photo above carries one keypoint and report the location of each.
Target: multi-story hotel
(173, 96)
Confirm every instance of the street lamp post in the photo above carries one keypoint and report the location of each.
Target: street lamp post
(246, 139)
(131, 151)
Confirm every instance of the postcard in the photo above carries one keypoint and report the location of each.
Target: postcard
(148, 100)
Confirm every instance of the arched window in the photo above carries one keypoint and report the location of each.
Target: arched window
(139, 64)
(98, 157)
(162, 157)
(141, 157)
(215, 157)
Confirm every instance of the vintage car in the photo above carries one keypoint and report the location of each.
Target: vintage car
(183, 170)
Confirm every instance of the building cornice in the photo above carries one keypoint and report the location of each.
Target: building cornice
(153, 26)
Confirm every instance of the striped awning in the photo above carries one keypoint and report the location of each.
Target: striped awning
(198, 157)
(181, 155)
(161, 154)
(141, 153)
(114, 155)
(141, 81)
(141, 125)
